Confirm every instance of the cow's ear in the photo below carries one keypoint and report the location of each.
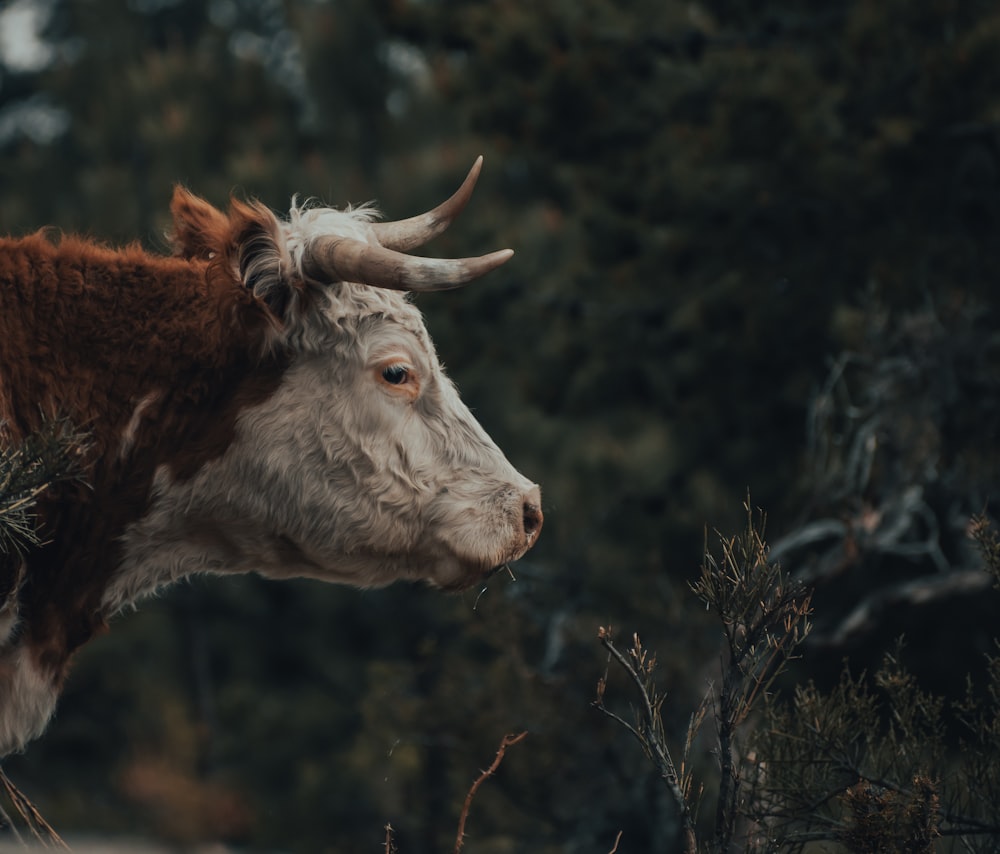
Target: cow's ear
(259, 257)
(200, 231)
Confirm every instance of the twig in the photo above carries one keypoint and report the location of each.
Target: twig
(389, 846)
(618, 839)
(32, 817)
(648, 733)
(656, 750)
(508, 741)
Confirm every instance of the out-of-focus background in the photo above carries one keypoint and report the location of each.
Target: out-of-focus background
(757, 249)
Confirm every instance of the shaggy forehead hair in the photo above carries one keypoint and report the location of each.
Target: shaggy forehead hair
(343, 307)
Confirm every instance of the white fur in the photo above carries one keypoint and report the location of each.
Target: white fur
(10, 608)
(306, 223)
(135, 421)
(337, 477)
(30, 700)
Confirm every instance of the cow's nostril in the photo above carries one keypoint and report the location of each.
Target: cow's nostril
(532, 520)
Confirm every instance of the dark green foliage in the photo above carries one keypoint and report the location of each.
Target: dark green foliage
(870, 765)
(764, 617)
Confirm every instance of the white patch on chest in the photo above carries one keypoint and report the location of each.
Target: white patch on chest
(331, 477)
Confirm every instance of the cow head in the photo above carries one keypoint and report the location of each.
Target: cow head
(362, 464)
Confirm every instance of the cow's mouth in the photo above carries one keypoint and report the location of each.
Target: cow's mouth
(503, 567)
(473, 576)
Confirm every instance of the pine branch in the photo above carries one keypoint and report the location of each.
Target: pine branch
(27, 469)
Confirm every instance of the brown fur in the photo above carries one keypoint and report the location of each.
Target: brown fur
(87, 333)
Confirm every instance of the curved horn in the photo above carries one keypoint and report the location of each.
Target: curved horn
(349, 260)
(406, 234)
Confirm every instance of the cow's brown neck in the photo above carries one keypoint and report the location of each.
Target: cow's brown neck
(153, 359)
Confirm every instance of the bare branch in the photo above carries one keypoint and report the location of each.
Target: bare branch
(921, 591)
(649, 731)
(508, 741)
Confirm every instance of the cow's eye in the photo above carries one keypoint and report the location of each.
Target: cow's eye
(395, 374)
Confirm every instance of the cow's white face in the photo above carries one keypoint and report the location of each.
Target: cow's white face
(380, 470)
(363, 467)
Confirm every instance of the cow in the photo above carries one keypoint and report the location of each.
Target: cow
(266, 398)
